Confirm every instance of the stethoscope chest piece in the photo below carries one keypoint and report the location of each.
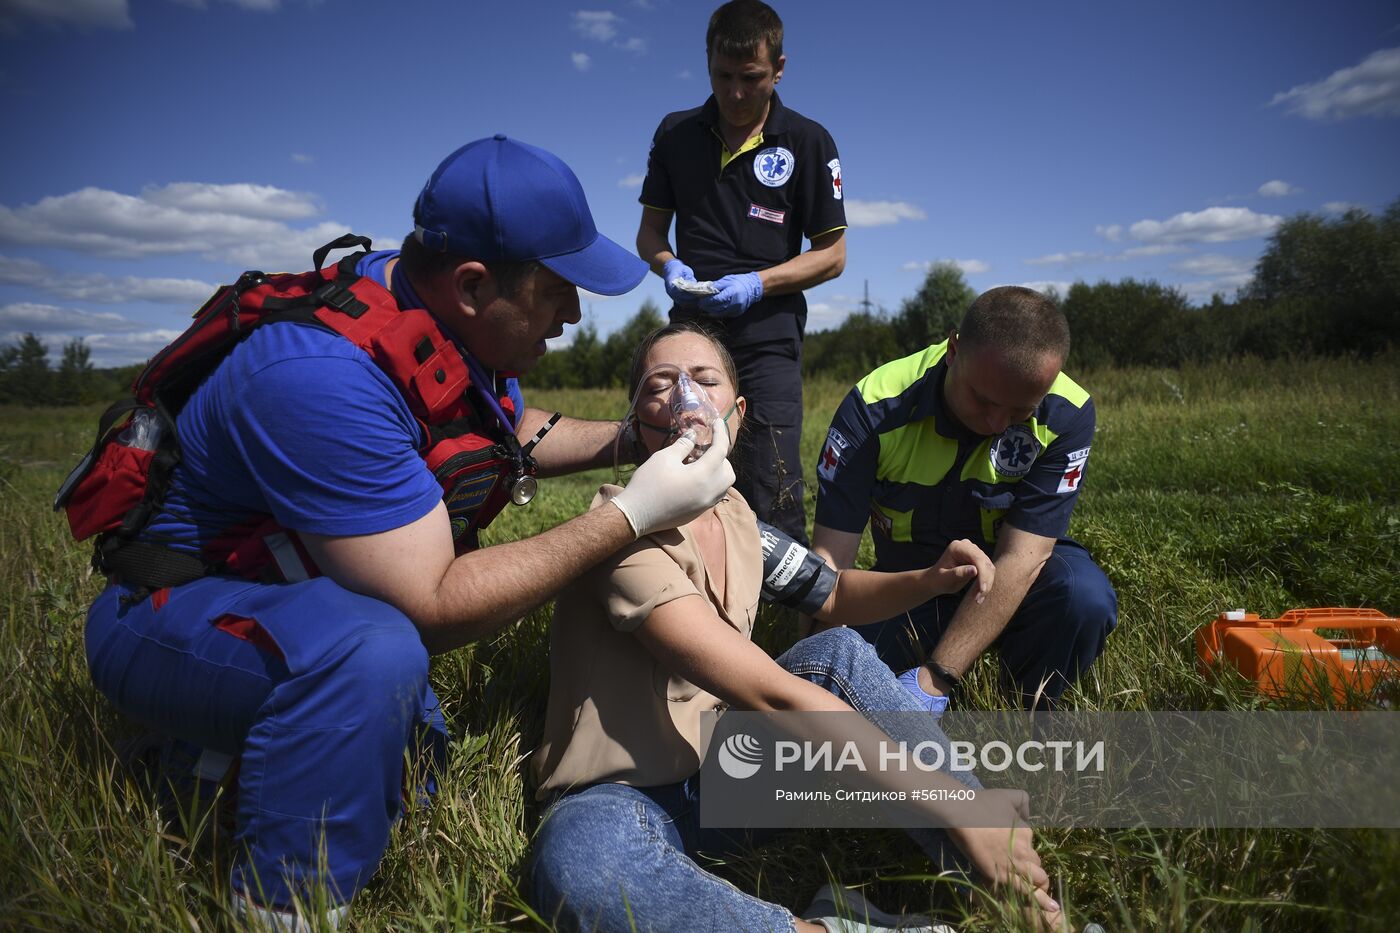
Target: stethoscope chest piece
(523, 490)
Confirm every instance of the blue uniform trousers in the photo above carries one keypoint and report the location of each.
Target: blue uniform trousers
(1057, 633)
(767, 461)
(319, 691)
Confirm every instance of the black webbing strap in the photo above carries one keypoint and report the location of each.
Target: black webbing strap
(341, 242)
(149, 565)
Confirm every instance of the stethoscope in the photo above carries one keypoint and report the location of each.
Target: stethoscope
(523, 486)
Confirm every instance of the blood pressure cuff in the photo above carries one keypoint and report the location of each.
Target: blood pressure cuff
(792, 575)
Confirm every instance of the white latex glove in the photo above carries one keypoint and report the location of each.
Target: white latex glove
(666, 492)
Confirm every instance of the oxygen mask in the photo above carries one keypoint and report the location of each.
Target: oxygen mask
(692, 410)
(688, 406)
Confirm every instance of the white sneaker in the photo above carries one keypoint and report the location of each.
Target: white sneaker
(844, 910)
(267, 920)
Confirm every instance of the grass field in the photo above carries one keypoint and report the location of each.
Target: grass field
(1262, 486)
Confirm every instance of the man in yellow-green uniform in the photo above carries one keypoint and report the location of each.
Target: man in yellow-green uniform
(979, 437)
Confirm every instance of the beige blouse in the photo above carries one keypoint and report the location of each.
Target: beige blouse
(615, 714)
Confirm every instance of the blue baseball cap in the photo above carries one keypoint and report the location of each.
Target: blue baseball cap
(500, 200)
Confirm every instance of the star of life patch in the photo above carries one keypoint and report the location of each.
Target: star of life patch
(759, 212)
(773, 166)
(1074, 471)
(1014, 451)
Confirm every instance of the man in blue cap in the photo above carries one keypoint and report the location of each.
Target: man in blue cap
(319, 682)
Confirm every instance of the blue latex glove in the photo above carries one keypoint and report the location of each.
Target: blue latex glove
(734, 294)
(909, 680)
(673, 271)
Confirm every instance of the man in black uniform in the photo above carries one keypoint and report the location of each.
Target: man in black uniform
(746, 179)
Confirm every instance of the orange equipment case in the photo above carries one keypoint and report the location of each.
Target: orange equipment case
(1357, 651)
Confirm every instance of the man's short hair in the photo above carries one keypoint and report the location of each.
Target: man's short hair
(739, 27)
(422, 263)
(1020, 323)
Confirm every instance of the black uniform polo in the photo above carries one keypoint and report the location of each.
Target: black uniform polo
(748, 211)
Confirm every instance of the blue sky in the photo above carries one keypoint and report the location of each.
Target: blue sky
(150, 149)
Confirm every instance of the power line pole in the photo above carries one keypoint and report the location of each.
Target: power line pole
(865, 304)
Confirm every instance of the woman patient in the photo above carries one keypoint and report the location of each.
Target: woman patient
(658, 635)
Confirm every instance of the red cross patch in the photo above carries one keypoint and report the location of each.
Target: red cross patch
(1074, 472)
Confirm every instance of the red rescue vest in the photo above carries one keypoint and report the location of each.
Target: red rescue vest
(119, 485)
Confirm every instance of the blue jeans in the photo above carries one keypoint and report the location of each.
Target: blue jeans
(1056, 634)
(317, 689)
(615, 857)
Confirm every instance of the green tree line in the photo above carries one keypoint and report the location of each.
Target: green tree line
(28, 378)
(1324, 286)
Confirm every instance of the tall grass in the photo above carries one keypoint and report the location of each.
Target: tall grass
(1266, 486)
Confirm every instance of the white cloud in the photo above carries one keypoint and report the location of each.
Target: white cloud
(15, 271)
(598, 25)
(98, 14)
(880, 213)
(1065, 259)
(104, 289)
(1112, 233)
(631, 181)
(301, 158)
(1340, 207)
(260, 6)
(50, 319)
(824, 316)
(1212, 225)
(1215, 264)
(966, 266)
(685, 74)
(84, 14)
(1277, 189)
(243, 200)
(289, 250)
(589, 298)
(1079, 256)
(112, 339)
(1156, 249)
(130, 288)
(604, 26)
(581, 60)
(233, 223)
(1045, 287)
(1371, 88)
(124, 349)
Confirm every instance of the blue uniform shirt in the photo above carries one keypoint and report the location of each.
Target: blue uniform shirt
(896, 458)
